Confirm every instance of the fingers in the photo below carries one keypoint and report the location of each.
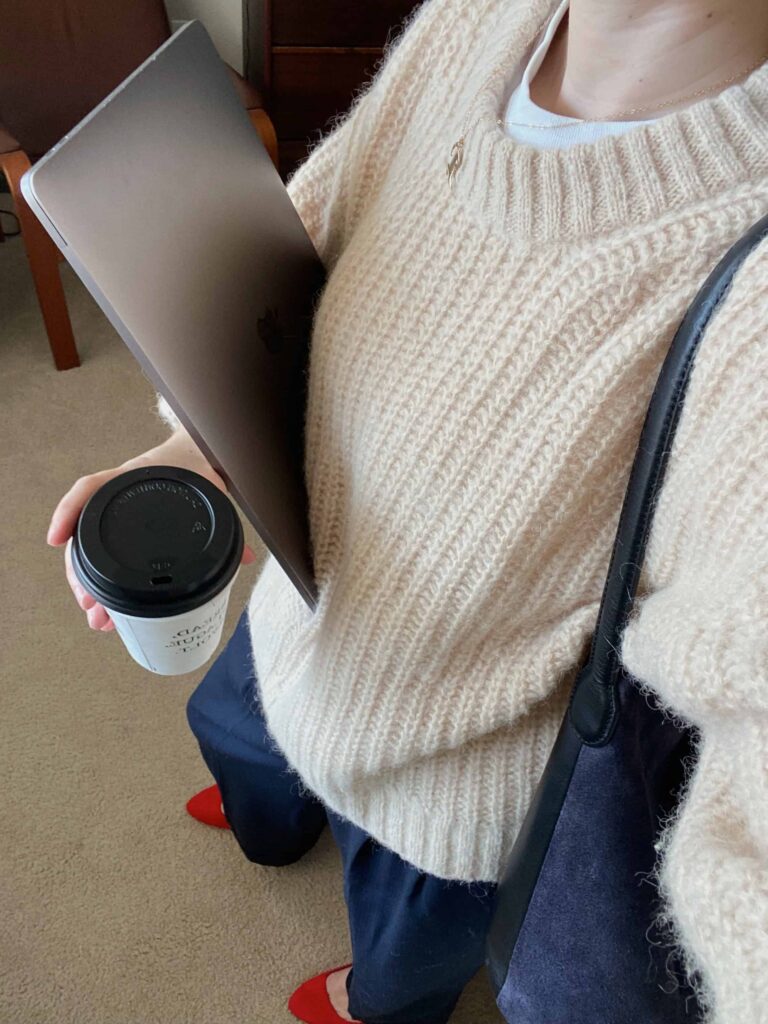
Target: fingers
(82, 597)
(98, 617)
(60, 530)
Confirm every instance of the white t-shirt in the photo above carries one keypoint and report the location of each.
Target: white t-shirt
(521, 107)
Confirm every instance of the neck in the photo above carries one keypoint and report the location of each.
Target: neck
(609, 56)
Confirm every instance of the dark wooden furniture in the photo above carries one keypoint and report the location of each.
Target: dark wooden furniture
(309, 57)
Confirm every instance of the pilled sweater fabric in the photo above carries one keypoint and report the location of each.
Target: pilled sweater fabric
(481, 364)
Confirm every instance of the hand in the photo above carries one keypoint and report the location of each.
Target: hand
(177, 450)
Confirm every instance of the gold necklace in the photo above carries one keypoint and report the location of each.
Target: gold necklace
(640, 110)
(456, 157)
(457, 150)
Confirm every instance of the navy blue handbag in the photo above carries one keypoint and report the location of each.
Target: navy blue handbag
(573, 938)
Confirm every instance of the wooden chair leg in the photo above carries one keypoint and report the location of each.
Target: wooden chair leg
(263, 125)
(43, 258)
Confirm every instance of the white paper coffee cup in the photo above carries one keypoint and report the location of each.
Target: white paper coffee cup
(160, 548)
(177, 644)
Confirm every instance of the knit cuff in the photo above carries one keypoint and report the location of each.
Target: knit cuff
(701, 643)
(713, 871)
(166, 413)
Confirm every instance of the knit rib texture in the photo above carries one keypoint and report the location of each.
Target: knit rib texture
(481, 364)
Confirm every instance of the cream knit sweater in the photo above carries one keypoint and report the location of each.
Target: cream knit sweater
(482, 361)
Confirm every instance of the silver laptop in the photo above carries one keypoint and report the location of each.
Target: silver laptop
(168, 207)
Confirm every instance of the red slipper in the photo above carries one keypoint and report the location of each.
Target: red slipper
(206, 807)
(311, 1002)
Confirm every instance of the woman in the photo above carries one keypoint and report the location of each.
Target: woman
(514, 215)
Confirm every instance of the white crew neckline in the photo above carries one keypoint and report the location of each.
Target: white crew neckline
(535, 194)
(522, 115)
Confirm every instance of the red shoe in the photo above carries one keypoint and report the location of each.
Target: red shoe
(312, 1004)
(206, 807)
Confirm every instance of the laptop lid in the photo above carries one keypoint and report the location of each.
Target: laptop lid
(168, 207)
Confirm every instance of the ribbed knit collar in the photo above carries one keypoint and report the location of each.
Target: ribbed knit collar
(593, 188)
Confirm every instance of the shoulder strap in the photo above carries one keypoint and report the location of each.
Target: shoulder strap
(593, 704)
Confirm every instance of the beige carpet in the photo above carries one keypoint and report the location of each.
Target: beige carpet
(117, 907)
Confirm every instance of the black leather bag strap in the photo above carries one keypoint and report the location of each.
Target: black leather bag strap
(593, 703)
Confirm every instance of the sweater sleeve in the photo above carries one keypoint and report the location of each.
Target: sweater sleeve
(341, 174)
(698, 640)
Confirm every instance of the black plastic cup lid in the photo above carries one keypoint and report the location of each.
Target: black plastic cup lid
(157, 541)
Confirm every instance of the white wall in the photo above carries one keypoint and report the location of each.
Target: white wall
(222, 18)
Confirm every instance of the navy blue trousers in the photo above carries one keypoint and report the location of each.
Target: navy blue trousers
(416, 939)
